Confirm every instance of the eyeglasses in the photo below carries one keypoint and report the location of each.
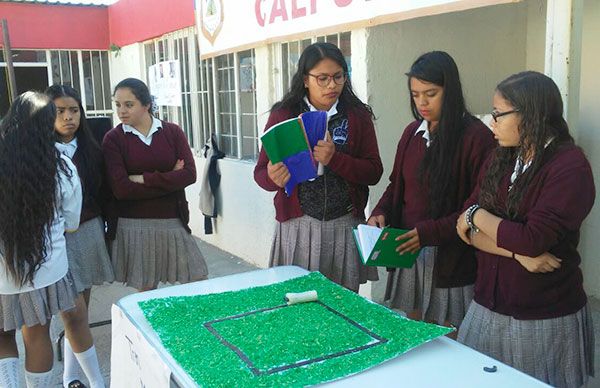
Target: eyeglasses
(324, 79)
(495, 114)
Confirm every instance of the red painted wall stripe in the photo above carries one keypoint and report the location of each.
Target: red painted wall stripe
(132, 21)
(40, 26)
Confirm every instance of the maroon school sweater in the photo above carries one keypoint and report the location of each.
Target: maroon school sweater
(405, 202)
(163, 193)
(360, 167)
(557, 201)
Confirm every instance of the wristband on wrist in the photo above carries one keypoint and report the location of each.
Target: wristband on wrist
(469, 217)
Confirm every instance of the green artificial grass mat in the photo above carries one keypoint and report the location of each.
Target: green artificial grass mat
(252, 338)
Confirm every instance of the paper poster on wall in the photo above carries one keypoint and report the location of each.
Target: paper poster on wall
(165, 83)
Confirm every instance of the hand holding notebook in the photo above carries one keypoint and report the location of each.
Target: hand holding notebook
(377, 247)
(292, 141)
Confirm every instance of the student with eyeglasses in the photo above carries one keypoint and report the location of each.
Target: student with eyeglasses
(314, 224)
(436, 166)
(530, 310)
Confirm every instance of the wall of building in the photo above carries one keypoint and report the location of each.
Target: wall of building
(41, 26)
(131, 21)
(128, 63)
(589, 139)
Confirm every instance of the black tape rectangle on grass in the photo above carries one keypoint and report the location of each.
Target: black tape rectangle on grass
(257, 372)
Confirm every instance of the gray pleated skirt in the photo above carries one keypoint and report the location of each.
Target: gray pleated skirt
(89, 261)
(38, 306)
(413, 289)
(324, 246)
(149, 251)
(558, 351)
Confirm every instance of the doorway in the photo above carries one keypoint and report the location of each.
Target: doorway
(28, 78)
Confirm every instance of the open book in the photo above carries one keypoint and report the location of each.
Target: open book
(377, 247)
(292, 141)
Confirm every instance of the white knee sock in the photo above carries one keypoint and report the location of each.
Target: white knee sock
(72, 370)
(39, 380)
(9, 372)
(89, 363)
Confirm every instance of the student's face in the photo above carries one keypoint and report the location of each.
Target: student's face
(68, 117)
(505, 127)
(321, 83)
(428, 98)
(129, 109)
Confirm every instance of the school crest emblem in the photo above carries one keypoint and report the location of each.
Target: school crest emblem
(211, 14)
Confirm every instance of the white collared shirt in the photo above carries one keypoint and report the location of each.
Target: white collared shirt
(66, 218)
(67, 149)
(518, 164)
(424, 128)
(156, 125)
(330, 113)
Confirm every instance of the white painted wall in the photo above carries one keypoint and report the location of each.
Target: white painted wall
(128, 63)
(246, 216)
(589, 139)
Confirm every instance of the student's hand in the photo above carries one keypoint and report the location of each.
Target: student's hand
(544, 263)
(179, 165)
(462, 229)
(412, 245)
(278, 173)
(378, 221)
(324, 150)
(137, 179)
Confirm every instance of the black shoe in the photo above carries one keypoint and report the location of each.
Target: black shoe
(76, 384)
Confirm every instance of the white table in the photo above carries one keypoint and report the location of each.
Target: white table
(138, 356)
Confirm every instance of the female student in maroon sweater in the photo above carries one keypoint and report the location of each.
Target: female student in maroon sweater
(89, 262)
(435, 170)
(314, 228)
(149, 165)
(529, 309)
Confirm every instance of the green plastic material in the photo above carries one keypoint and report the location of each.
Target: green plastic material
(327, 345)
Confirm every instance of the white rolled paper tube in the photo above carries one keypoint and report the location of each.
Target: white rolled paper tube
(301, 297)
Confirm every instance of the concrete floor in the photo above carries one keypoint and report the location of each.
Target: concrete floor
(219, 263)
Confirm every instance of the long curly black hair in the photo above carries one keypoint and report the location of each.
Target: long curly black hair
(29, 164)
(438, 167)
(540, 107)
(89, 151)
(309, 58)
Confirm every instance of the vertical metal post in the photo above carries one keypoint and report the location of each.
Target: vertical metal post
(12, 82)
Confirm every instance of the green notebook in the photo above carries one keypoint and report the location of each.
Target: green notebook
(377, 247)
(285, 139)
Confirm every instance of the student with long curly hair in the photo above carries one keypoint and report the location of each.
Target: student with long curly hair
(89, 261)
(314, 228)
(435, 170)
(530, 310)
(40, 199)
